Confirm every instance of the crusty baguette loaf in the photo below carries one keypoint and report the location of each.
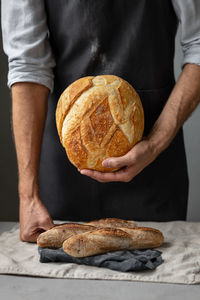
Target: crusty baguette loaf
(54, 237)
(145, 237)
(109, 239)
(112, 223)
(97, 242)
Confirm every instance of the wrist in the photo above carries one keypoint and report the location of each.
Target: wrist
(160, 138)
(28, 190)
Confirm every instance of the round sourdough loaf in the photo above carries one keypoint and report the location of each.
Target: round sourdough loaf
(99, 117)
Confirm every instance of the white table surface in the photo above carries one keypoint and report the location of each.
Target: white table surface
(14, 287)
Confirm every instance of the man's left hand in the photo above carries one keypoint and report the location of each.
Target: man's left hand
(130, 164)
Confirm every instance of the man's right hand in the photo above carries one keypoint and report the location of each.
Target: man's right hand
(29, 109)
(34, 219)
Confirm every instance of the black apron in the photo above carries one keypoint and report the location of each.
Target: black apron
(133, 40)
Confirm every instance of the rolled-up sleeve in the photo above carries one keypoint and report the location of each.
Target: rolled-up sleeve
(188, 13)
(26, 42)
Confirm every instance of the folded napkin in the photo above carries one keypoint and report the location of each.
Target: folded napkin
(124, 261)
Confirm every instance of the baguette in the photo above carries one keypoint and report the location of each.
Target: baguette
(54, 237)
(145, 237)
(109, 239)
(112, 223)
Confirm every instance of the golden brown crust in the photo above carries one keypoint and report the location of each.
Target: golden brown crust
(145, 237)
(119, 144)
(99, 117)
(115, 232)
(54, 237)
(100, 236)
(68, 97)
(109, 239)
(101, 120)
(97, 242)
(71, 225)
(112, 223)
(77, 152)
(147, 229)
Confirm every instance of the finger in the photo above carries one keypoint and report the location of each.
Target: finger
(33, 238)
(30, 238)
(117, 162)
(121, 175)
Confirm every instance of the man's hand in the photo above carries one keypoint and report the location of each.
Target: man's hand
(184, 98)
(140, 156)
(29, 109)
(34, 219)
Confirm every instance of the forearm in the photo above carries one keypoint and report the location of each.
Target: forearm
(184, 98)
(29, 108)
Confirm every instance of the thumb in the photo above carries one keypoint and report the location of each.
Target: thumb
(117, 162)
(33, 237)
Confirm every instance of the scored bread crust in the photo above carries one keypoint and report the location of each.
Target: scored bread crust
(54, 237)
(99, 117)
(109, 239)
(97, 242)
(113, 223)
(145, 237)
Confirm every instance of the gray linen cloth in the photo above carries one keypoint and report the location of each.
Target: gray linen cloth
(124, 261)
(180, 253)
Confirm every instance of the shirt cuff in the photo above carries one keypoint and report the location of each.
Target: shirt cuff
(28, 73)
(191, 59)
(191, 55)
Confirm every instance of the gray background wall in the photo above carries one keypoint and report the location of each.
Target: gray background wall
(8, 169)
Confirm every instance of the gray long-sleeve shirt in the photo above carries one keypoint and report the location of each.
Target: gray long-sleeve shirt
(26, 39)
